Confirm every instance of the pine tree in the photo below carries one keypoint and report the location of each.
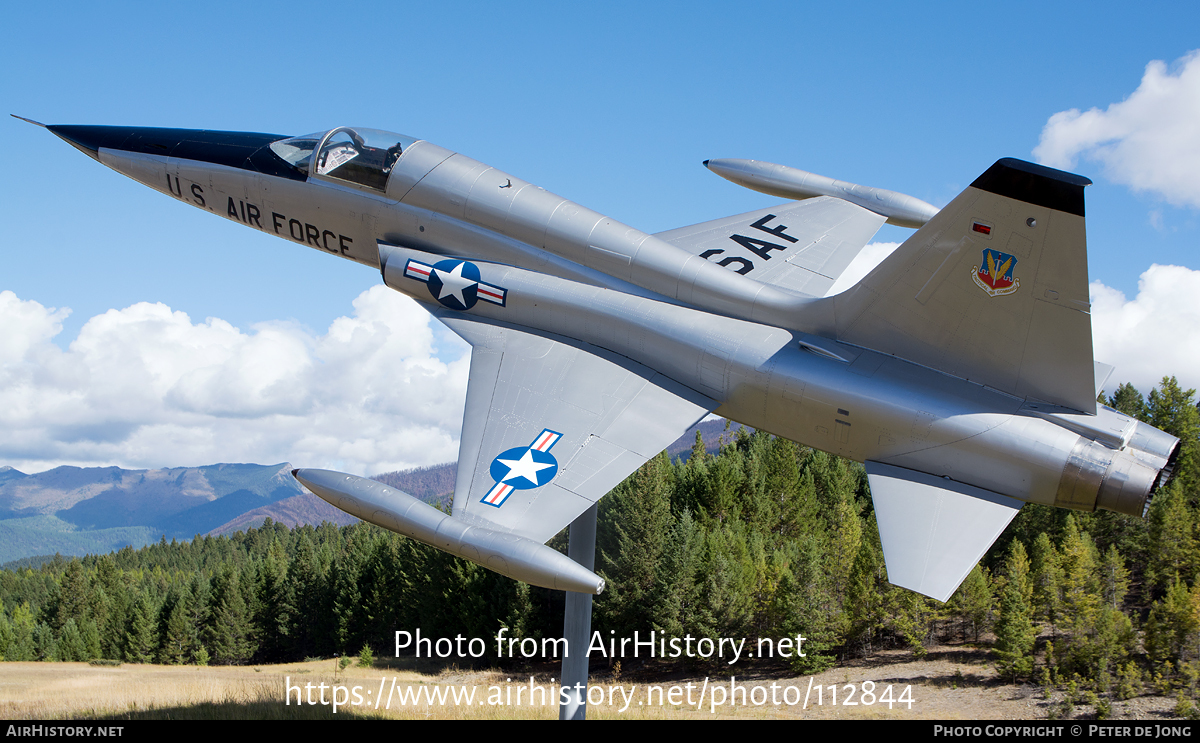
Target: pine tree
(973, 601)
(726, 583)
(635, 523)
(198, 612)
(141, 638)
(308, 577)
(1047, 580)
(807, 607)
(111, 604)
(699, 451)
(277, 604)
(1173, 627)
(520, 615)
(45, 644)
(230, 634)
(720, 497)
(1129, 401)
(73, 593)
(1173, 548)
(91, 639)
(383, 579)
(366, 658)
(758, 504)
(867, 595)
(675, 585)
(1110, 643)
(1080, 584)
(1114, 578)
(6, 633)
(71, 647)
(176, 647)
(836, 516)
(1172, 409)
(1015, 633)
(793, 511)
(348, 588)
(912, 617)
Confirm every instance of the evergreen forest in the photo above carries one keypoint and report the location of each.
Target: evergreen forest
(764, 539)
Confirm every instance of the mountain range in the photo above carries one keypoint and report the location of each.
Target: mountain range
(95, 510)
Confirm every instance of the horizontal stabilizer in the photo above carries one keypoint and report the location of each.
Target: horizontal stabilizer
(934, 530)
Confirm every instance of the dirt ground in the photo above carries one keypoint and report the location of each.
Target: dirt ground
(957, 683)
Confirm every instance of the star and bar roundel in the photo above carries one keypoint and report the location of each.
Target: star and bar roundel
(523, 468)
(455, 284)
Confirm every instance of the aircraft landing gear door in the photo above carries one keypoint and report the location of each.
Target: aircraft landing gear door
(363, 158)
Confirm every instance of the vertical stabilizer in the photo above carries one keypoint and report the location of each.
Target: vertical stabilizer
(994, 288)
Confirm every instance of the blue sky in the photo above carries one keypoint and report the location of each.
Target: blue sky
(613, 105)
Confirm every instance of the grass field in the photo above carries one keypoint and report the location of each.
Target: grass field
(60, 691)
(130, 691)
(948, 684)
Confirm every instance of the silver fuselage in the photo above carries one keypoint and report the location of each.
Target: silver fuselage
(573, 273)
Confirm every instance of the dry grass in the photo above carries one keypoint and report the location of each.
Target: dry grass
(948, 684)
(61, 691)
(55, 691)
(80, 691)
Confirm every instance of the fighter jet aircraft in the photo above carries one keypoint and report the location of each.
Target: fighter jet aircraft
(959, 370)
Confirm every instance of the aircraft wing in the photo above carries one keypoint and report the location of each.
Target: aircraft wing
(552, 424)
(803, 246)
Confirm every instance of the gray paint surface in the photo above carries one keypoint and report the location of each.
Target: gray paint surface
(960, 369)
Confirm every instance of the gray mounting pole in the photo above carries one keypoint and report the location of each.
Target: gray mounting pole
(577, 620)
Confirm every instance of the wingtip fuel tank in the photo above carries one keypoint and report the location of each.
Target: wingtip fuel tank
(508, 554)
(793, 183)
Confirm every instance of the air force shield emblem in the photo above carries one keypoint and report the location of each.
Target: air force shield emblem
(995, 274)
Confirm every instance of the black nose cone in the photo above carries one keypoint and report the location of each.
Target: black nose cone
(87, 139)
(245, 150)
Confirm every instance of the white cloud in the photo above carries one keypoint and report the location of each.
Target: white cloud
(146, 387)
(1156, 219)
(1156, 334)
(1149, 141)
(869, 258)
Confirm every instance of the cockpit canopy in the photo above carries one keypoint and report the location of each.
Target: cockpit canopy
(362, 157)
